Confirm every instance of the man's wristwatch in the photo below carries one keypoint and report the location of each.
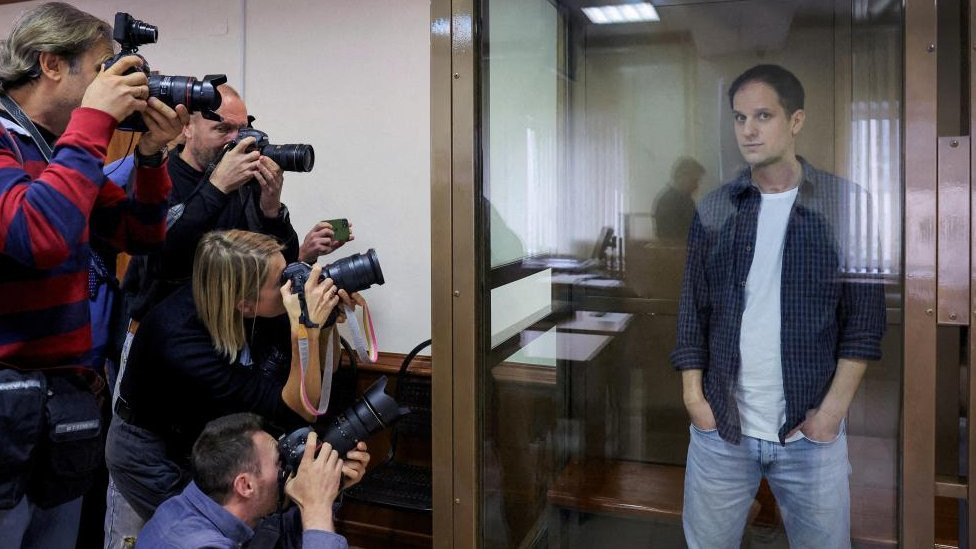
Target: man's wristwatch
(154, 160)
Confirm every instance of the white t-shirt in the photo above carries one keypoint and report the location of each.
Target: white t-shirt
(759, 392)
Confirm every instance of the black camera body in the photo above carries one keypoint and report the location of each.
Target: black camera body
(369, 415)
(197, 95)
(352, 274)
(292, 157)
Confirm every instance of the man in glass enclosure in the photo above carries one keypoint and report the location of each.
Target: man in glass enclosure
(775, 327)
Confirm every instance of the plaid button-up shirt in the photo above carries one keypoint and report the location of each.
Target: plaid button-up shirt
(832, 305)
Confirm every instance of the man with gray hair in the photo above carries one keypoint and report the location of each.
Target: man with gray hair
(60, 107)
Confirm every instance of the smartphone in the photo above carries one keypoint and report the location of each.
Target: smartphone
(341, 229)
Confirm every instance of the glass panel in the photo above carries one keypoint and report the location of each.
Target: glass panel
(601, 141)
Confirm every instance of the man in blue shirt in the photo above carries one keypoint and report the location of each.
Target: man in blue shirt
(780, 312)
(235, 485)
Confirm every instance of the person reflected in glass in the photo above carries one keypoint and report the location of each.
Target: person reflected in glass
(674, 207)
(775, 328)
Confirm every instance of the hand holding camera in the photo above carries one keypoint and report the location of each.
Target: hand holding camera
(236, 167)
(163, 124)
(319, 297)
(270, 177)
(354, 465)
(117, 93)
(349, 301)
(316, 483)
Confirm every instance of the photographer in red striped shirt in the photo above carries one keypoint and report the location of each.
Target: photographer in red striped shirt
(60, 108)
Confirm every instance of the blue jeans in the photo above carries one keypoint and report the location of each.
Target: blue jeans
(809, 479)
(27, 525)
(122, 523)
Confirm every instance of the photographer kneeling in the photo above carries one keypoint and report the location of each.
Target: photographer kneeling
(235, 485)
(195, 359)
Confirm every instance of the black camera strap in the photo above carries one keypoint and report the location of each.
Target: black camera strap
(14, 110)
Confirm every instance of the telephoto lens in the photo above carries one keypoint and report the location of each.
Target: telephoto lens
(197, 95)
(292, 157)
(369, 415)
(356, 272)
(352, 274)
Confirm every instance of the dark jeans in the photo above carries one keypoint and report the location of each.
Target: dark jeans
(28, 526)
(140, 467)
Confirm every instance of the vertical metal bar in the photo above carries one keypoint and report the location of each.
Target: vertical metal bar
(464, 280)
(442, 333)
(953, 239)
(971, 404)
(918, 403)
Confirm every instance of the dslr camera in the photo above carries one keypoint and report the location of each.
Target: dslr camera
(369, 415)
(291, 157)
(197, 95)
(352, 274)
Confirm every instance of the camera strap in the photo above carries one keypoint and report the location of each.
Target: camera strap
(14, 110)
(327, 368)
(365, 344)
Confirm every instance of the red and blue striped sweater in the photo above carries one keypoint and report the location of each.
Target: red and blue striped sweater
(48, 214)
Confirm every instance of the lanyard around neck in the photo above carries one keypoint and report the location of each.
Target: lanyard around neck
(14, 110)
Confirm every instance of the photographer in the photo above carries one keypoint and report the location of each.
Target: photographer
(197, 357)
(59, 110)
(234, 190)
(235, 485)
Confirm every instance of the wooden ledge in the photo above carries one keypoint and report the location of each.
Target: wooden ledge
(525, 374)
(389, 364)
(629, 488)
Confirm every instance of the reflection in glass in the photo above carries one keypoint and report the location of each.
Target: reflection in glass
(597, 142)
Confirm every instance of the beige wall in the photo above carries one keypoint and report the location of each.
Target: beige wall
(351, 77)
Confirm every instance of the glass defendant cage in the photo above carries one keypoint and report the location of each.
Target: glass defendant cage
(563, 138)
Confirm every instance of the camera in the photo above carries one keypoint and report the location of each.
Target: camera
(291, 157)
(197, 95)
(372, 413)
(352, 274)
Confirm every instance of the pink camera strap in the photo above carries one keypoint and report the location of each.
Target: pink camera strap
(364, 341)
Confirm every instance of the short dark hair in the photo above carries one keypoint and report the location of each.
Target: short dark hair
(786, 84)
(224, 450)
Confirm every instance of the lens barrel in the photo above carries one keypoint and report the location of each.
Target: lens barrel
(356, 272)
(365, 417)
(372, 413)
(291, 157)
(142, 32)
(197, 95)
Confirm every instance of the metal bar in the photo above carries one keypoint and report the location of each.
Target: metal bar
(465, 263)
(918, 387)
(971, 401)
(953, 240)
(442, 330)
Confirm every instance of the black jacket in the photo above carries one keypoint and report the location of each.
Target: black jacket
(196, 207)
(175, 381)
